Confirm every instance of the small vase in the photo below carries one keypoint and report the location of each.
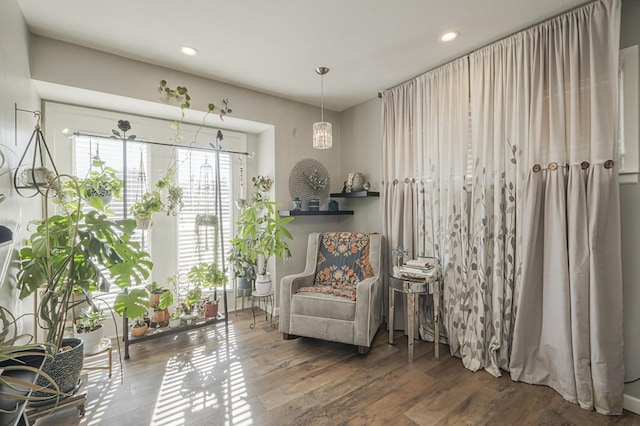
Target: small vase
(296, 205)
(174, 322)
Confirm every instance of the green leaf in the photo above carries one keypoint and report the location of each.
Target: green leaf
(132, 304)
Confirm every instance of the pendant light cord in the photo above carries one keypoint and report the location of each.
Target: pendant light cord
(322, 97)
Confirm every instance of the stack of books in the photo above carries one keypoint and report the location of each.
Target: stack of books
(417, 269)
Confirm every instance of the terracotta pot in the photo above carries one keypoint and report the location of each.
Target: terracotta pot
(139, 331)
(154, 299)
(211, 309)
(160, 318)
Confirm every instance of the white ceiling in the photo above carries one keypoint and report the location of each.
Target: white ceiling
(274, 46)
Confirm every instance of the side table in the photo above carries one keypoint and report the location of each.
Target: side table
(264, 298)
(413, 288)
(104, 346)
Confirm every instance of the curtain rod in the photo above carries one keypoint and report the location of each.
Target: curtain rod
(491, 43)
(197, 148)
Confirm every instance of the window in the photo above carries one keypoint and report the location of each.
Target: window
(197, 235)
(628, 115)
(110, 151)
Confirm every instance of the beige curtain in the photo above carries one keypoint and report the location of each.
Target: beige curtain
(568, 331)
(526, 224)
(399, 189)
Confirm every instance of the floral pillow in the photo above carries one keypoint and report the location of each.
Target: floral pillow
(343, 261)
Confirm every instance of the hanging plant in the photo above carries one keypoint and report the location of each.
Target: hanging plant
(101, 185)
(143, 209)
(181, 94)
(173, 191)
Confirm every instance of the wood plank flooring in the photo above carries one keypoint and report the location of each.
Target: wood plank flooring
(253, 377)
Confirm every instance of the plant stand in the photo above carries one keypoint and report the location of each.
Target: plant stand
(76, 400)
(266, 299)
(104, 346)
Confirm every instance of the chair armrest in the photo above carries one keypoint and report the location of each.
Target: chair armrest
(288, 287)
(368, 294)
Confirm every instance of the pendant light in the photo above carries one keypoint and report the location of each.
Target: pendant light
(322, 138)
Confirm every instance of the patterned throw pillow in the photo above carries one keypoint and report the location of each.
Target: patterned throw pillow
(343, 261)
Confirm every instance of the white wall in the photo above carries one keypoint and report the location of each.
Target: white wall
(361, 152)
(15, 87)
(630, 214)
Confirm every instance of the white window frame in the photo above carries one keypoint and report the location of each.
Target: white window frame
(629, 138)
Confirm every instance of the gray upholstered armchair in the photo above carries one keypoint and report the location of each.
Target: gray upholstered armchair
(338, 297)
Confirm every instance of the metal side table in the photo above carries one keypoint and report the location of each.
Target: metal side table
(413, 288)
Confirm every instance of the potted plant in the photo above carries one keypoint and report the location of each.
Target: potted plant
(261, 234)
(189, 303)
(208, 275)
(90, 329)
(101, 185)
(20, 364)
(70, 253)
(159, 300)
(143, 209)
(243, 270)
(139, 327)
(174, 320)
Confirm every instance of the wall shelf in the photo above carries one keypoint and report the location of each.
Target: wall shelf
(355, 194)
(286, 213)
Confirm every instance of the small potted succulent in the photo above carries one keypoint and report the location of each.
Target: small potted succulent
(143, 209)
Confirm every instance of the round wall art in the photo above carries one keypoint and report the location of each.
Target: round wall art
(309, 179)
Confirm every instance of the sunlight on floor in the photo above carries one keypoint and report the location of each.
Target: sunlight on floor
(205, 383)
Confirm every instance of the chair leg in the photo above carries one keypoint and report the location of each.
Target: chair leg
(363, 350)
(287, 336)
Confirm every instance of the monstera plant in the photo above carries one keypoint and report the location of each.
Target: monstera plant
(81, 252)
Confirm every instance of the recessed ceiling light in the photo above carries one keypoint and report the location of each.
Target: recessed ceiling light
(189, 51)
(448, 36)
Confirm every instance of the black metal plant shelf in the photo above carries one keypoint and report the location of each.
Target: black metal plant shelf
(155, 333)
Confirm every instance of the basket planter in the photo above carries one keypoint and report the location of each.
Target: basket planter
(64, 368)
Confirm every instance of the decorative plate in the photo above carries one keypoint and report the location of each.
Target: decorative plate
(309, 179)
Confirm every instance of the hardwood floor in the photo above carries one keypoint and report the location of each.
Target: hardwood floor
(254, 377)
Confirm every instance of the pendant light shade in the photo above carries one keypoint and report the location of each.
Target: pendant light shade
(322, 135)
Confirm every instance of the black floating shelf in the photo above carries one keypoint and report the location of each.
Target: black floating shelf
(315, 212)
(355, 194)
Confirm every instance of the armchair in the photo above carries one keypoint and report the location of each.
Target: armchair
(339, 295)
